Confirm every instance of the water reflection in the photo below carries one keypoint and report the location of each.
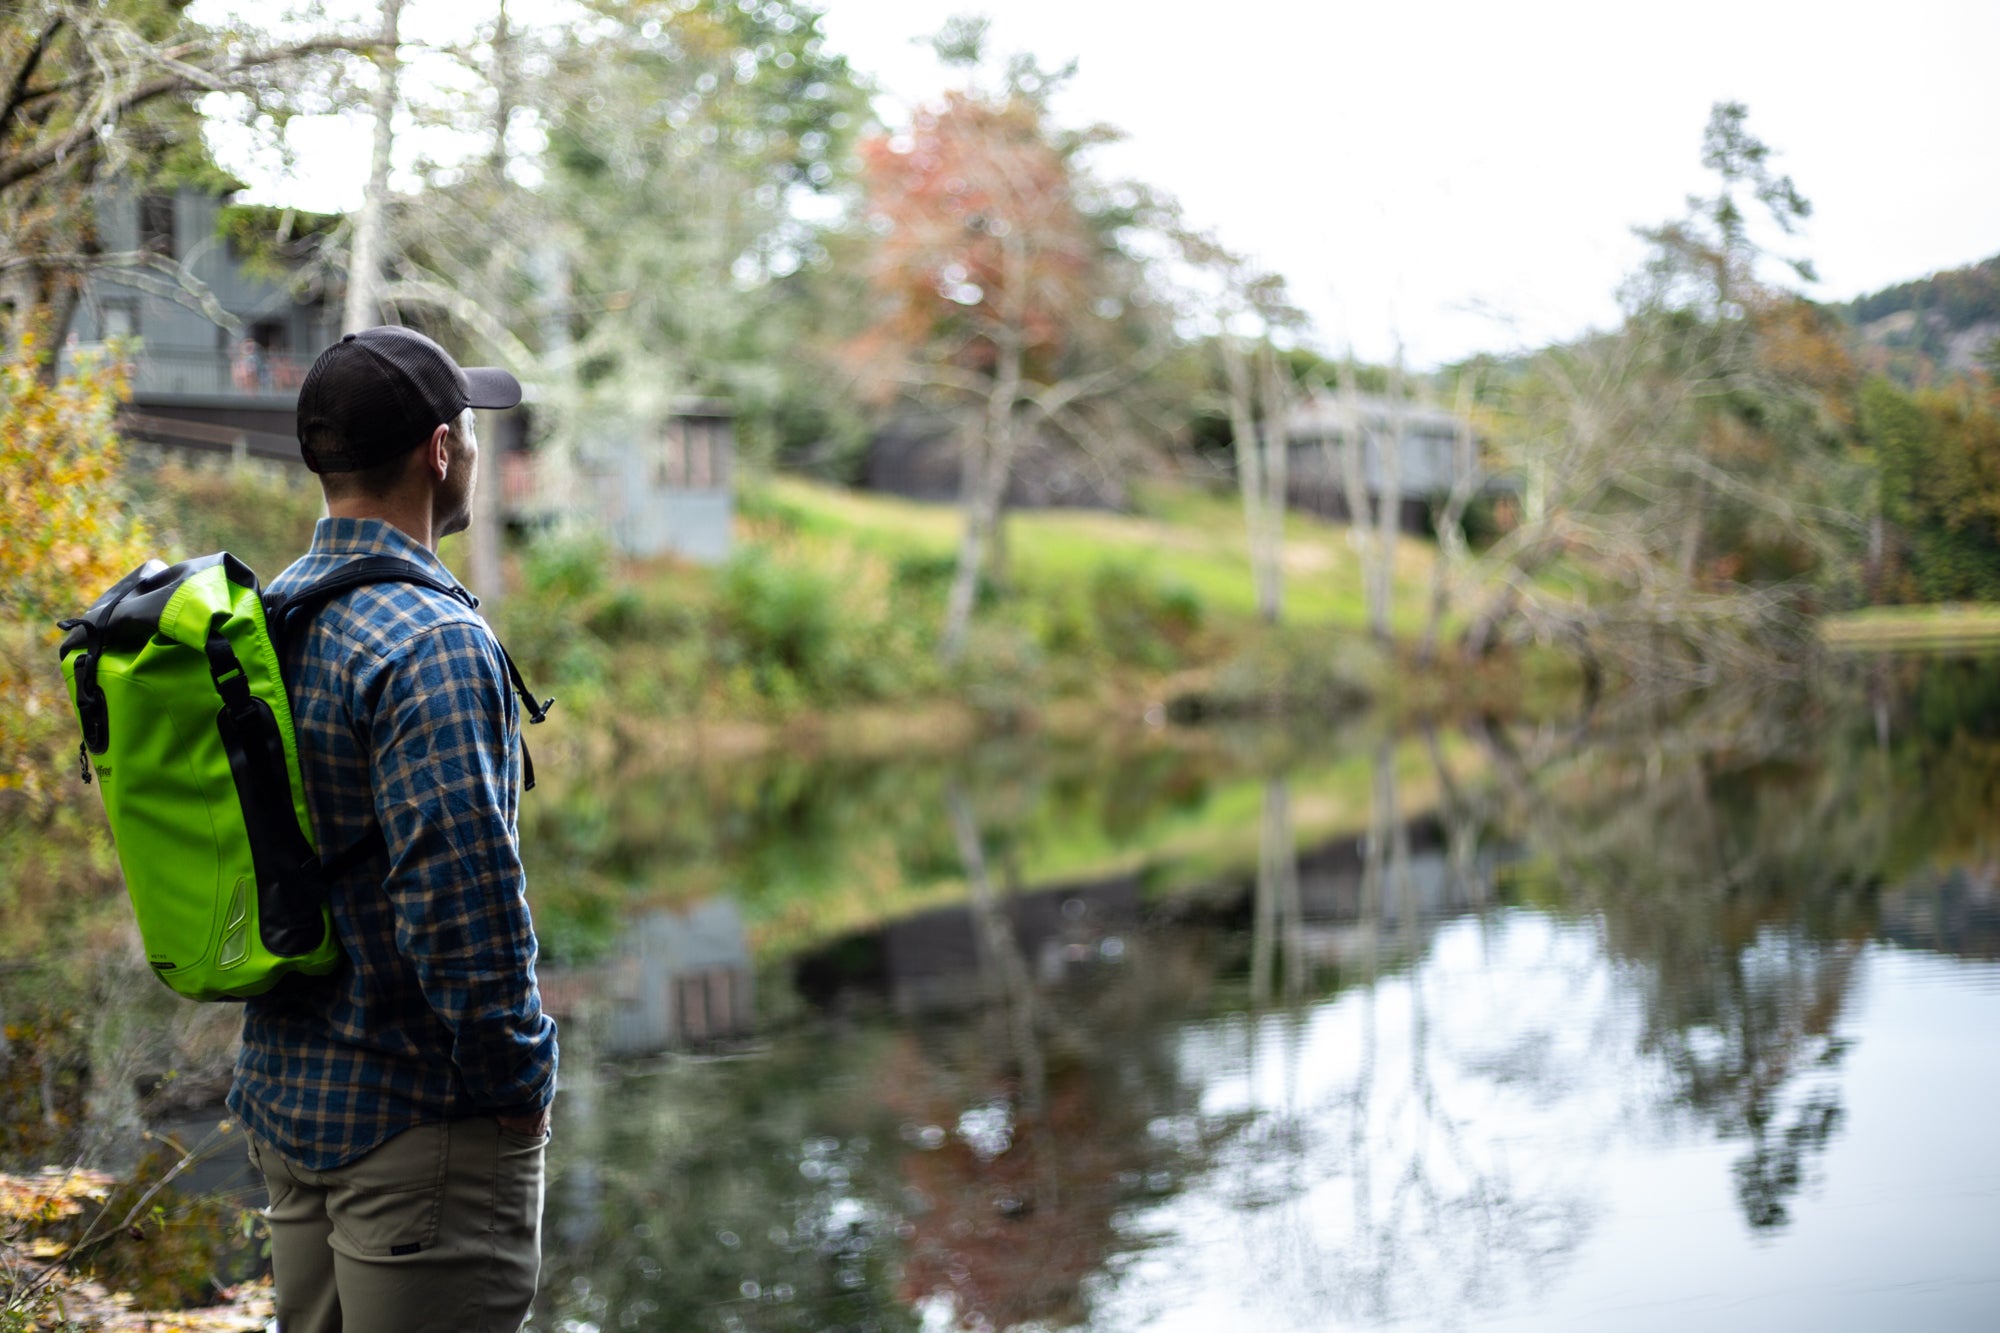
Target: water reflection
(1658, 1022)
(1530, 1033)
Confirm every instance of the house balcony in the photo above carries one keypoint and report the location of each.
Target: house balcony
(164, 371)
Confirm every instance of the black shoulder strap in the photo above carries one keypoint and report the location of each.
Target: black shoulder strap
(307, 601)
(278, 611)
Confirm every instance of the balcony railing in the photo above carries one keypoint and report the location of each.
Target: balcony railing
(207, 372)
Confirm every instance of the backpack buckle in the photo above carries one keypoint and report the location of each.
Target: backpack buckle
(231, 682)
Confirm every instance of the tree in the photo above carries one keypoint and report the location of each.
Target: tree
(1937, 453)
(683, 146)
(1374, 517)
(1687, 473)
(1448, 514)
(364, 269)
(1255, 309)
(643, 242)
(1003, 290)
(95, 92)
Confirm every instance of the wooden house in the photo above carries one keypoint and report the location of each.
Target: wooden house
(1436, 451)
(660, 484)
(196, 385)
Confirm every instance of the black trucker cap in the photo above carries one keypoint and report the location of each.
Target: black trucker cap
(383, 391)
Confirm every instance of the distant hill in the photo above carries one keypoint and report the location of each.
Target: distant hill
(1940, 324)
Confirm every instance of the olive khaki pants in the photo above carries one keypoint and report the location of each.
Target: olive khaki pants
(439, 1230)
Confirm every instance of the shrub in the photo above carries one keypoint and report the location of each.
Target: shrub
(1142, 621)
(65, 536)
(549, 622)
(1003, 673)
(259, 517)
(567, 565)
(781, 616)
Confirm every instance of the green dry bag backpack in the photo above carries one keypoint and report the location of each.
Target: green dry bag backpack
(175, 674)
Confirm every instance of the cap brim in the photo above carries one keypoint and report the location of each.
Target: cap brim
(491, 387)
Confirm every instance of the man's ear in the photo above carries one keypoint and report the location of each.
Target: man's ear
(437, 454)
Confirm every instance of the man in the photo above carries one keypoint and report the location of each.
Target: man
(399, 1109)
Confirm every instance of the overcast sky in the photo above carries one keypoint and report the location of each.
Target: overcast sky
(1469, 173)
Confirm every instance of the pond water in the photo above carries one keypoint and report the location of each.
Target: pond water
(1639, 1026)
(1683, 1017)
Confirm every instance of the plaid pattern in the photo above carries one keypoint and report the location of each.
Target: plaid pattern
(436, 1014)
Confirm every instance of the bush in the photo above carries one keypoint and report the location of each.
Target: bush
(1142, 621)
(549, 622)
(65, 536)
(1003, 673)
(1294, 672)
(260, 517)
(780, 616)
(567, 565)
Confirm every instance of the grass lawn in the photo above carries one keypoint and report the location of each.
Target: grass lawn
(1183, 536)
(1948, 625)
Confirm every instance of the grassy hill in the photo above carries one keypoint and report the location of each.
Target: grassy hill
(1188, 537)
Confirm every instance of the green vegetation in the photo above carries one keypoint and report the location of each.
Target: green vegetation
(835, 601)
(1937, 452)
(823, 630)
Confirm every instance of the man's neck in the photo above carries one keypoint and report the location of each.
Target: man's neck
(411, 517)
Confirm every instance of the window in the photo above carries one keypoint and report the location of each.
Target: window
(694, 454)
(120, 319)
(156, 224)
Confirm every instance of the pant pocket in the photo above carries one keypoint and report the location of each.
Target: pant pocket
(388, 1203)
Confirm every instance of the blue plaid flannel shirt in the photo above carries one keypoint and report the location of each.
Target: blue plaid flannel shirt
(405, 722)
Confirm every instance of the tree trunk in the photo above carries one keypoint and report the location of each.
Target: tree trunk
(1264, 912)
(488, 502)
(1389, 508)
(1277, 473)
(989, 462)
(489, 497)
(1361, 520)
(999, 557)
(972, 449)
(1265, 573)
(503, 94)
(1482, 636)
(994, 937)
(364, 267)
(1449, 523)
(60, 294)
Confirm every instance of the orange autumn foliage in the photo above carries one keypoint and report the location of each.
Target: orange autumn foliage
(980, 236)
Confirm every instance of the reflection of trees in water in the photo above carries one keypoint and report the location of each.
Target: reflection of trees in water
(1037, 1122)
(778, 830)
(1429, 1215)
(856, 1175)
(719, 1196)
(1004, 1165)
(1731, 863)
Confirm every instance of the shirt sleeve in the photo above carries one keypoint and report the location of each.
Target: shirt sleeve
(446, 767)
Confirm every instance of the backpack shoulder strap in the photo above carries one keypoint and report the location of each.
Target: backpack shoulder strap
(369, 569)
(307, 601)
